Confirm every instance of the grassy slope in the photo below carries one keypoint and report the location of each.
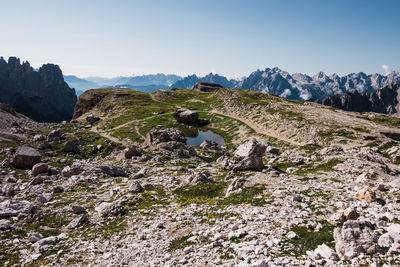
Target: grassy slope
(237, 115)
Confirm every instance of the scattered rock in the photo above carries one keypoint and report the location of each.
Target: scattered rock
(324, 252)
(47, 243)
(343, 215)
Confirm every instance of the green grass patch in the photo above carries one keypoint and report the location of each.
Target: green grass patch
(310, 240)
(180, 243)
(324, 167)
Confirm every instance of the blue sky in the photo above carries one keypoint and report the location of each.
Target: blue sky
(231, 37)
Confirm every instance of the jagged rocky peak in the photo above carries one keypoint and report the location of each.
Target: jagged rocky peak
(41, 95)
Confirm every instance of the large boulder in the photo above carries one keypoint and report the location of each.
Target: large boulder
(26, 157)
(106, 209)
(161, 134)
(354, 238)
(186, 116)
(252, 160)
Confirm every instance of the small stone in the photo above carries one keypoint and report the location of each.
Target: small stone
(76, 209)
(291, 235)
(39, 168)
(58, 189)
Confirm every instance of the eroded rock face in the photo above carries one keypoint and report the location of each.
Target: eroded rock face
(354, 238)
(26, 157)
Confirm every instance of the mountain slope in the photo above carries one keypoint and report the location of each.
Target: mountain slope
(385, 100)
(41, 95)
(235, 114)
(80, 84)
(149, 79)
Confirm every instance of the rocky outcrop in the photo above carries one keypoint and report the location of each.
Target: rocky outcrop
(41, 95)
(385, 100)
(206, 87)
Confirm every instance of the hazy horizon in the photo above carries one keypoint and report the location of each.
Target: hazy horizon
(231, 38)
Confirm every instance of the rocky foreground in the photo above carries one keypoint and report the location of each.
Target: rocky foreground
(70, 196)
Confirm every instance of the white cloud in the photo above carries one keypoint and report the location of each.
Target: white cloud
(386, 69)
(286, 93)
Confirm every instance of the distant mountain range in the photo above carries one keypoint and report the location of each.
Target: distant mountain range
(147, 83)
(295, 86)
(191, 80)
(298, 86)
(303, 87)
